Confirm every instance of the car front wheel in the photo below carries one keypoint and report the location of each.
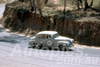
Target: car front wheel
(62, 48)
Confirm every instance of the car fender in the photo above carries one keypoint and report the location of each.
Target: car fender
(63, 43)
(31, 42)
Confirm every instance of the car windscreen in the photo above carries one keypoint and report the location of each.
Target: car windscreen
(55, 35)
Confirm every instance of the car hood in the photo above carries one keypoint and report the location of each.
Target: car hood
(62, 38)
(32, 38)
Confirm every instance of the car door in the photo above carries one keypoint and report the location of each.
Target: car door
(49, 40)
(41, 38)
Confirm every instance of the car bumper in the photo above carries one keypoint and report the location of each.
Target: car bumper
(70, 45)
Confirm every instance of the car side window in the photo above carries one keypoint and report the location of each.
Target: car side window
(42, 36)
(48, 36)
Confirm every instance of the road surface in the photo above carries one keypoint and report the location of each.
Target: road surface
(14, 52)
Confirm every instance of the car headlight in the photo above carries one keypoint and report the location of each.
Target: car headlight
(72, 40)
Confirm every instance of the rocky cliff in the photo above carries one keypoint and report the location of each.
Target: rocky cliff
(84, 27)
(5, 1)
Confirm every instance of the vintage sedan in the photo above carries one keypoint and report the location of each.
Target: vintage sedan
(51, 40)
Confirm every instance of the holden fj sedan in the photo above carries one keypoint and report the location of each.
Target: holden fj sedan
(51, 40)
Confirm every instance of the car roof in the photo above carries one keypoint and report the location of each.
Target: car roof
(47, 32)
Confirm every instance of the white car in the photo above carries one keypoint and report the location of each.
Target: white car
(51, 40)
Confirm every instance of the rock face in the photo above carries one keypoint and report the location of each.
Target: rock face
(22, 20)
(5, 1)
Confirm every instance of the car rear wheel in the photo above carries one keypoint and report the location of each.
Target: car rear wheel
(40, 46)
(34, 45)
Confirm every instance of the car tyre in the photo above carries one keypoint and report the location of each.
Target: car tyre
(40, 46)
(34, 45)
(61, 47)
